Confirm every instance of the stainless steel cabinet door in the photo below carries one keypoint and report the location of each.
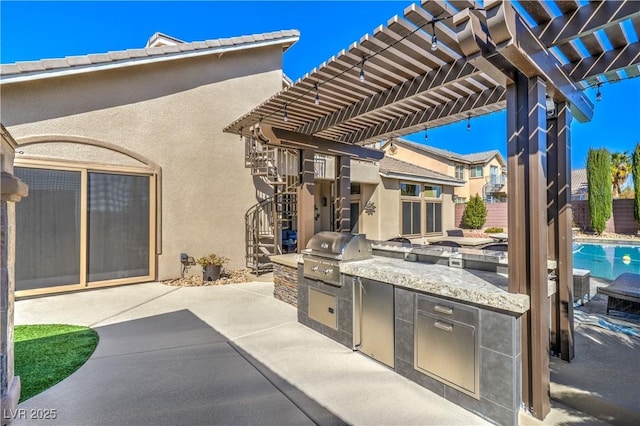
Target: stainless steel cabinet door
(376, 319)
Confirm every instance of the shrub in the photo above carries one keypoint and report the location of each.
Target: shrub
(211, 259)
(599, 181)
(493, 230)
(475, 214)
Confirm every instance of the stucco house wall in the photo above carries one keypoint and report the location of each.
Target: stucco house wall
(171, 115)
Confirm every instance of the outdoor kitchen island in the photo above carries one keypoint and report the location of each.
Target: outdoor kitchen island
(452, 330)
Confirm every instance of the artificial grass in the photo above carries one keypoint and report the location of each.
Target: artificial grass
(46, 354)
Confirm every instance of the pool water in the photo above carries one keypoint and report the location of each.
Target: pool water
(606, 261)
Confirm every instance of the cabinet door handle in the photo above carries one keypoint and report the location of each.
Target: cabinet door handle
(443, 326)
(443, 309)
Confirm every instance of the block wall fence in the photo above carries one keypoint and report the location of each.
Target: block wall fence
(621, 221)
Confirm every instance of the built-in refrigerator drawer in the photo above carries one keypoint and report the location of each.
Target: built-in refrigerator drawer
(374, 320)
(446, 348)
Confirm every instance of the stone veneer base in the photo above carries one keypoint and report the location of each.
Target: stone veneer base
(285, 284)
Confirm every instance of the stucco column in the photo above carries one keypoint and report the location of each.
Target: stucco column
(13, 189)
(306, 199)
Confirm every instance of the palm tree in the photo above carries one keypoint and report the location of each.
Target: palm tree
(620, 170)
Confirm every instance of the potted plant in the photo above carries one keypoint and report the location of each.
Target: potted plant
(211, 266)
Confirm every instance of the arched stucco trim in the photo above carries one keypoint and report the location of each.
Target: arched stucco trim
(32, 140)
(154, 168)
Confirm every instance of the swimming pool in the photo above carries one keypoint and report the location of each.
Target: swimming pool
(606, 260)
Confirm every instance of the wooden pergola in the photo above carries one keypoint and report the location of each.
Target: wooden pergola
(446, 61)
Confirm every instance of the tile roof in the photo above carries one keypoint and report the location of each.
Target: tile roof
(476, 157)
(89, 62)
(391, 165)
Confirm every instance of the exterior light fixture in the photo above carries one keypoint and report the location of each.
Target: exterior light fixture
(317, 99)
(469, 122)
(599, 93)
(434, 38)
(286, 116)
(551, 107)
(362, 70)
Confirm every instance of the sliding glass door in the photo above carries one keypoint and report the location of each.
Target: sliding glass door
(48, 229)
(84, 227)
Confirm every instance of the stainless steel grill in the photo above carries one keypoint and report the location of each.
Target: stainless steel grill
(326, 250)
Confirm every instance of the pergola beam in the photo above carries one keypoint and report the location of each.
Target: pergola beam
(523, 51)
(456, 109)
(290, 139)
(585, 20)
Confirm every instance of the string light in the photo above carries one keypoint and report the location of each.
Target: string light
(599, 93)
(469, 122)
(434, 38)
(286, 116)
(362, 70)
(240, 132)
(317, 99)
(426, 135)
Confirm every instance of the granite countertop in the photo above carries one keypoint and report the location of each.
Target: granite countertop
(466, 285)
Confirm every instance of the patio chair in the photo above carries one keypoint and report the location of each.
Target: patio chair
(402, 240)
(623, 294)
(455, 233)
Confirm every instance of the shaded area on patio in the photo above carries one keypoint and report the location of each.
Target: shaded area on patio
(174, 368)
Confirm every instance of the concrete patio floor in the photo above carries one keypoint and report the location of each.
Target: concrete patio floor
(317, 371)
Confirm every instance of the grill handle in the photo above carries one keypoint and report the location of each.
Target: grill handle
(443, 326)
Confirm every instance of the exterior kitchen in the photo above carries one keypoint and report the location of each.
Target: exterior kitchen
(439, 316)
(475, 327)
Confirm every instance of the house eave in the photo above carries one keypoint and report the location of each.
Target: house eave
(53, 73)
(423, 179)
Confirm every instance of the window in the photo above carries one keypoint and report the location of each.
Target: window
(411, 218)
(434, 218)
(476, 171)
(432, 191)
(460, 172)
(355, 188)
(409, 190)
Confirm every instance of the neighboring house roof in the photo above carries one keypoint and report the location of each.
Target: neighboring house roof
(473, 158)
(397, 169)
(579, 181)
(33, 70)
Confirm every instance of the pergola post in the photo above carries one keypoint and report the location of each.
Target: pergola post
(560, 236)
(343, 196)
(528, 247)
(306, 198)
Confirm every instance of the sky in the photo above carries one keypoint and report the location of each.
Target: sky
(42, 30)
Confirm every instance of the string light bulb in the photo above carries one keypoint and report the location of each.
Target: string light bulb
(240, 132)
(362, 70)
(286, 116)
(599, 93)
(317, 99)
(426, 134)
(469, 122)
(434, 38)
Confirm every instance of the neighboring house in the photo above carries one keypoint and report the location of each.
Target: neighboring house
(126, 161)
(579, 186)
(484, 173)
